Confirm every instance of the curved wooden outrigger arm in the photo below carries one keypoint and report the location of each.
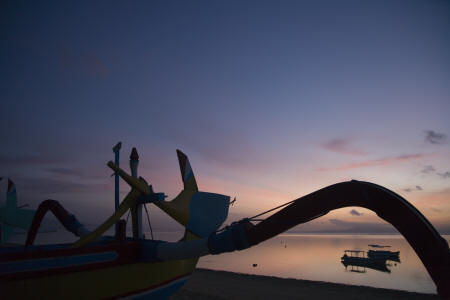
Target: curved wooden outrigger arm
(431, 248)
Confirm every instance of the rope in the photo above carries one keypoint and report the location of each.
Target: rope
(148, 219)
(254, 217)
(267, 211)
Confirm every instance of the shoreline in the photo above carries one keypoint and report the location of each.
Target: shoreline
(206, 284)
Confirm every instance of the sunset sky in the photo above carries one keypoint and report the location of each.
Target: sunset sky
(271, 100)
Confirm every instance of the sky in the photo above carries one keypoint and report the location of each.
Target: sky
(271, 100)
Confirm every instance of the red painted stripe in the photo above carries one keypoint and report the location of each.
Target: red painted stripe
(128, 253)
(125, 248)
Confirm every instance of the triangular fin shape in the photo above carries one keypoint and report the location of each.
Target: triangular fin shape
(187, 175)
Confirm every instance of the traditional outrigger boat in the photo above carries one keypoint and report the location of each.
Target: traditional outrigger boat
(383, 254)
(357, 258)
(102, 267)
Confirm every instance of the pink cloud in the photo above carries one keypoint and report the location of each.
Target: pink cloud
(379, 162)
(342, 146)
(435, 206)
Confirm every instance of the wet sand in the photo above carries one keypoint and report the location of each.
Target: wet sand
(214, 285)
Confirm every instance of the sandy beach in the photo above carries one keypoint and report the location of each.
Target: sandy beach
(208, 284)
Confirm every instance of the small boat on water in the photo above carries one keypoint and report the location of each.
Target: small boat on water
(358, 258)
(383, 254)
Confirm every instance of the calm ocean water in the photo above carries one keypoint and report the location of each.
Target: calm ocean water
(311, 257)
(318, 257)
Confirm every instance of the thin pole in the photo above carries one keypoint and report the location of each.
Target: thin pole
(136, 212)
(116, 150)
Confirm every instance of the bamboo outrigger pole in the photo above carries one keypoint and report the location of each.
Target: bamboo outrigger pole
(136, 211)
(116, 150)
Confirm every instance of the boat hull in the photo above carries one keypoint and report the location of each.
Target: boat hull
(106, 271)
(379, 265)
(381, 254)
(158, 280)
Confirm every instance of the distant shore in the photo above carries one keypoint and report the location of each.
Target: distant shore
(214, 285)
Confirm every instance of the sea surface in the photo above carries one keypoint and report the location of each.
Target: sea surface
(318, 257)
(310, 257)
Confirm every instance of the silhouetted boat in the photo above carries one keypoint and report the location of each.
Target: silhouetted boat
(357, 258)
(383, 254)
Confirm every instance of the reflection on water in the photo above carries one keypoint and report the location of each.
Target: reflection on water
(318, 257)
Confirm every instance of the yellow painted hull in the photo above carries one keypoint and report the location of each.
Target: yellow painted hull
(113, 282)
